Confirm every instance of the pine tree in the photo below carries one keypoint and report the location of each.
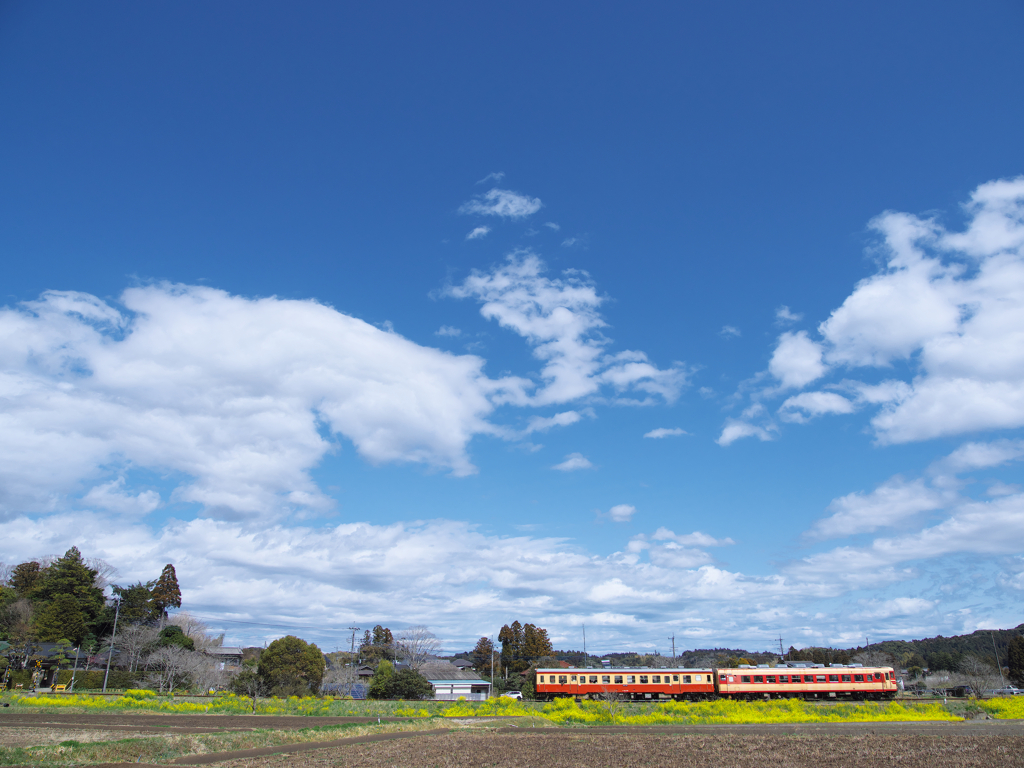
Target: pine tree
(25, 578)
(61, 619)
(166, 593)
(70, 576)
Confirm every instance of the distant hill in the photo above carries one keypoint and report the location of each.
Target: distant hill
(946, 652)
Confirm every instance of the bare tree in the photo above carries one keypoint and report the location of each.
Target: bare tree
(416, 644)
(172, 665)
(976, 675)
(105, 572)
(873, 659)
(195, 629)
(134, 642)
(6, 572)
(341, 678)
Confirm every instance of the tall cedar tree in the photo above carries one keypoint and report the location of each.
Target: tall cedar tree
(166, 593)
(1015, 660)
(61, 619)
(69, 575)
(482, 654)
(136, 603)
(511, 639)
(536, 644)
(25, 577)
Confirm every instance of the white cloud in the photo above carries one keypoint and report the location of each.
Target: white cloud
(896, 606)
(809, 404)
(783, 315)
(227, 391)
(543, 424)
(477, 233)
(796, 361)
(495, 177)
(560, 319)
(622, 513)
(729, 331)
(502, 202)
(735, 429)
(573, 462)
(888, 505)
(110, 496)
(695, 539)
(970, 456)
(665, 432)
(569, 241)
(448, 330)
(552, 225)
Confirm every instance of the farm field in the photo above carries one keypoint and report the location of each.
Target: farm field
(284, 742)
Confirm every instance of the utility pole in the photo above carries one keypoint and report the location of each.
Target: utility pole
(492, 666)
(782, 653)
(998, 665)
(75, 670)
(673, 639)
(354, 630)
(113, 636)
(585, 647)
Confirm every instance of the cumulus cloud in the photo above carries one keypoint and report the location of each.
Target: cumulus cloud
(573, 462)
(502, 202)
(228, 391)
(477, 233)
(736, 429)
(665, 432)
(622, 513)
(796, 361)
(448, 330)
(111, 496)
(729, 331)
(800, 408)
(784, 315)
(888, 505)
(559, 317)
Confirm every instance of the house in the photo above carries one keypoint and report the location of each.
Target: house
(226, 657)
(451, 683)
(463, 663)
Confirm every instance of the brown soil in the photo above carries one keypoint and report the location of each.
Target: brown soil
(963, 747)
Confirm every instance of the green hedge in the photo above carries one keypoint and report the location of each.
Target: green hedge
(119, 679)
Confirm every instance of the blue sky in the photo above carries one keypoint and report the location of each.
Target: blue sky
(691, 320)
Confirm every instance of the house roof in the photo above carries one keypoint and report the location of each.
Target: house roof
(447, 672)
(224, 650)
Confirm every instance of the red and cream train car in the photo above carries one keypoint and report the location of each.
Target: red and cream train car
(639, 684)
(750, 683)
(834, 682)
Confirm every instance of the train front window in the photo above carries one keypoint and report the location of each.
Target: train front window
(618, 679)
(858, 678)
(605, 679)
(878, 675)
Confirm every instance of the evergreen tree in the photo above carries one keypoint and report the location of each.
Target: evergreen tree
(70, 576)
(380, 683)
(536, 643)
(173, 635)
(482, 656)
(1015, 660)
(136, 603)
(166, 593)
(61, 619)
(25, 577)
(290, 666)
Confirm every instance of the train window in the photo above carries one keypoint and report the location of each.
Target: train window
(656, 679)
(858, 678)
(847, 679)
(721, 678)
(675, 678)
(618, 679)
(540, 678)
(758, 678)
(783, 678)
(630, 679)
(605, 679)
(819, 678)
(770, 678)
(686, 679)
(593, 679)
(878, 675)
(886, 675)
(833, 678)
(744, 678)
(561, 679)
(697, 678)
(643, 679)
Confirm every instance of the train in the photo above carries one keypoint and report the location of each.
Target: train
(788, 680)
